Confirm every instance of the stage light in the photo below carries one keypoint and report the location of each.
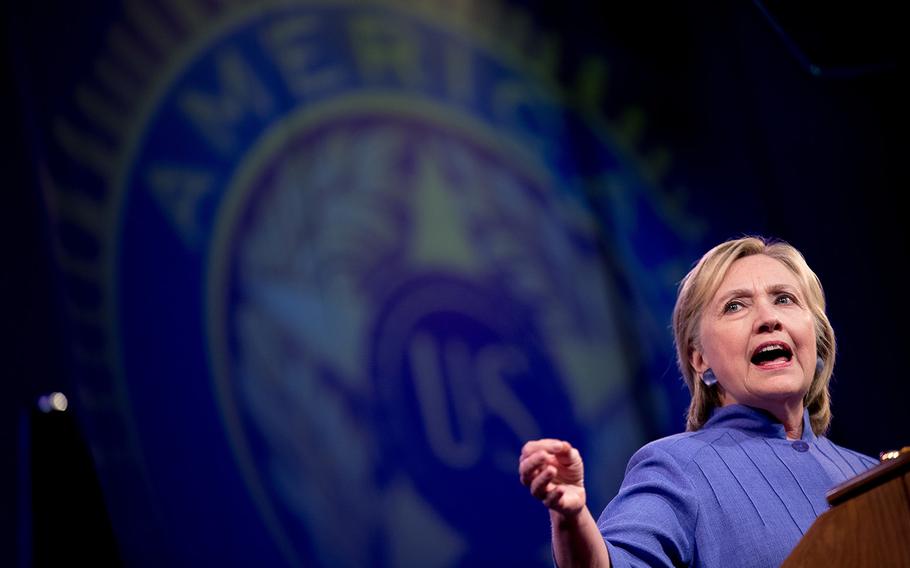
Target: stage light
(54, 402)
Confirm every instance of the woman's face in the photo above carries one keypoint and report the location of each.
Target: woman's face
(758, 335)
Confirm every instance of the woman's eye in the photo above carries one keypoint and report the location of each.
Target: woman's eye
(785, 299)
(732, 307)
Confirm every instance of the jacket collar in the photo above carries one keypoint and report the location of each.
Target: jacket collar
(755, 422)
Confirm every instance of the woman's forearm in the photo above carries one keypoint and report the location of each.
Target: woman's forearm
(577, 541)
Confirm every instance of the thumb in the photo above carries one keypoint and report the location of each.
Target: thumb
(568, 456)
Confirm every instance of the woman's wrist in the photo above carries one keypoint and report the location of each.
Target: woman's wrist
(568, 521)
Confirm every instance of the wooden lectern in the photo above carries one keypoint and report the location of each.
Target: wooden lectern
(868, 523)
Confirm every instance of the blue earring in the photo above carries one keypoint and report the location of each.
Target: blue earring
(708, 377)
(819, 365)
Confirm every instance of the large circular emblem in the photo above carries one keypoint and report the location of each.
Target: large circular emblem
(389, 280)
(354, 263)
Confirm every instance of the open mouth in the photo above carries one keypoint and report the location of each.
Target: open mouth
(771, 353)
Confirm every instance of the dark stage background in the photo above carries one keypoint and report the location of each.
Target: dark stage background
(309, 273)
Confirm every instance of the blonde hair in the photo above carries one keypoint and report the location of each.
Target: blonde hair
(698, 287)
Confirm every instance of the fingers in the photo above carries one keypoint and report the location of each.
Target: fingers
(545, 444)
(557, 449)
(553, 471)
(541, 486)
(549, 493)
(537, 454)
(553, 497)
(568, 457)
(531, 466)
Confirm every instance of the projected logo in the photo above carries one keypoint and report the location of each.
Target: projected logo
(371, 239)
(404, 309)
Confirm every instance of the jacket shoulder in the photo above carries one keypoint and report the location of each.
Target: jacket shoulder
(680, 448)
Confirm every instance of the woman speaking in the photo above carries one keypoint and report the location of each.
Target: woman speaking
(748, 477)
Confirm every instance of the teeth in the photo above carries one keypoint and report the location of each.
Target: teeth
(768, 354)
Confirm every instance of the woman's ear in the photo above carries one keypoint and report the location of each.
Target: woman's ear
(697, 360)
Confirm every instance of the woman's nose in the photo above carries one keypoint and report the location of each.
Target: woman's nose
(766, 319)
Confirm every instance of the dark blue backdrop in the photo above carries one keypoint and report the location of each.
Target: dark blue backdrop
(310, 274)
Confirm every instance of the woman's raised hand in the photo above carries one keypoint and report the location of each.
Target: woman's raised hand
(554, 472)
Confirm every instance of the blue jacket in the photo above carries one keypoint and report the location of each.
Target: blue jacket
(734, 493)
